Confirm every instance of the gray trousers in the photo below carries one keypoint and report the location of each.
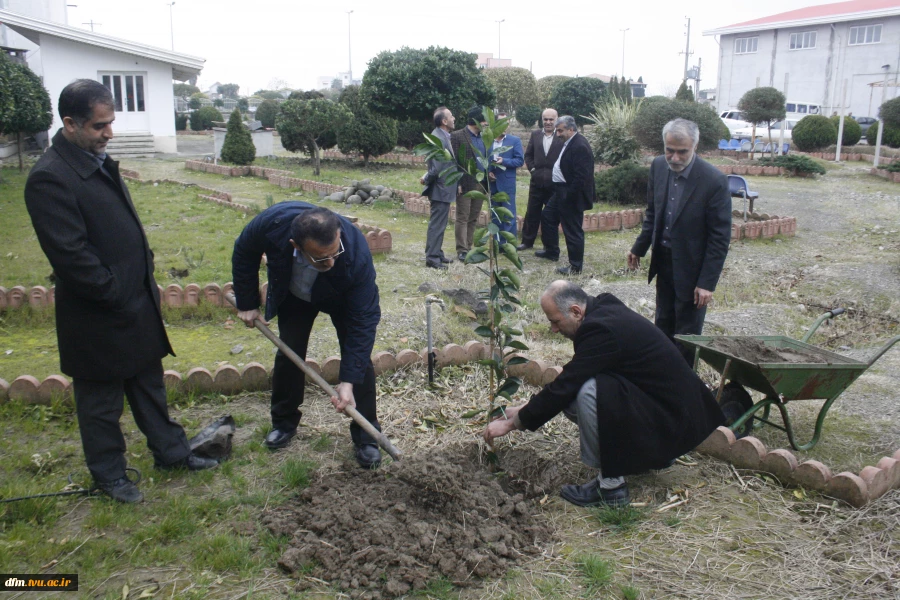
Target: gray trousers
(583, 412)
(437, 225)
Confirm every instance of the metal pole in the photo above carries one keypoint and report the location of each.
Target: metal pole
(687, 48)
(784, 120)
(498, 37)
(837, 154)
(432, 358)
(171, 25)
(623, 50)
(881, 122)
(349, 50)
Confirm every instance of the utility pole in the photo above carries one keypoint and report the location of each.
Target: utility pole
(623, 50)
(498, 37)
(687, 48)
(92, 23)
(697, 80)
(886, 68)
(349, 50)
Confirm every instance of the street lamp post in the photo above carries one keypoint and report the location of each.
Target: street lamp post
(623, 50)
(349, 49)
(171, 24)
(498, 37)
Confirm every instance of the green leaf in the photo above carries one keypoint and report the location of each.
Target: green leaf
(503, 211)
(509, 330)
(509, 250)
(484, 331)
(453, 178)
(505, 395)
(479, 236)
(499, 411)
(473, 258)
(488, 362)
(475, 195)
(518, 345)
(493, 229)
(510, 386)
(510, 237)
(473, 413)
(512, 276)
(517, 360)
(499, 197)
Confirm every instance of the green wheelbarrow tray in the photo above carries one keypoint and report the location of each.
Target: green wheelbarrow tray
(782, 382)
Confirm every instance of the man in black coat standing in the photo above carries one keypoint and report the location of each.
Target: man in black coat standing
(637, 405)
(573, 193)
(688, 224)
(317, 261)
(108, 321)
(540, 156)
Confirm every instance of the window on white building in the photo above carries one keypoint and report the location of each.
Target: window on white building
(745, 45)
(869, 34)
(801, 41)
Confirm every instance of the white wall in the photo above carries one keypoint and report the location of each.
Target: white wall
(815, 75)
(47, 10)
(64, 61)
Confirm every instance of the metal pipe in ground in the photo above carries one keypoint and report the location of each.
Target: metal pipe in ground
(432, 357)
(350, 411)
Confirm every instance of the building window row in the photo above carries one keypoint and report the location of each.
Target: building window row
(868, 34)
(745, 45)
(803, 40)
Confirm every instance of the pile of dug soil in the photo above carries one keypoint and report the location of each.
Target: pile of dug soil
(756, 351)
(386, 533)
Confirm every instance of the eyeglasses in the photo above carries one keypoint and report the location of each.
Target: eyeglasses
(327, 258)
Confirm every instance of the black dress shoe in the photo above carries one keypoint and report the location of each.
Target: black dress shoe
(546, 255)
(446, 260)
(279, 438)
(368, 456)
(591, 494)
(521, 247)
(121, 490)
(191, 462)
(570, 270)
(435, 265)
(462, 256)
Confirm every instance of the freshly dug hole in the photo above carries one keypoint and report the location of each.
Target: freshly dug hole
(385, 533)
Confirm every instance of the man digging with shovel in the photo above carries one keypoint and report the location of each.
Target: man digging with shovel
(317, 261)
(637, 404)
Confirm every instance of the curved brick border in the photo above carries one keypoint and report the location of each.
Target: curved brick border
(746, 453)
(885, 174)
(855, 489)
(762, 226)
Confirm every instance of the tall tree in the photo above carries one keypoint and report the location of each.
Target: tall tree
(301, 123)
(684, 93)
(25, 106)
(763, 105)
(546, 85)
(368, 133)
(238, 147)
(411, 83)
(184, 90)
(577, 97)
(229, 90)
(515, 87)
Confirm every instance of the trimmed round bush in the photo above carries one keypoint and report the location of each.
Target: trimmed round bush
(852, 130)
(266, 113)
(813, 132)
(202, 118)
(528, 115)
(890, 137)
(656, 111)
(889, 112)
(181, 122)
(409, 133)
(625, 183)
(238, 147)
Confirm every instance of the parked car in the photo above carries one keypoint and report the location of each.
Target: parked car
(865, 123)
(734, 120)
(763, 134)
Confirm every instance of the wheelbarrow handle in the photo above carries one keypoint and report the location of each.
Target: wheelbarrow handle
(884, 349)
(831, 313)
(350, 411)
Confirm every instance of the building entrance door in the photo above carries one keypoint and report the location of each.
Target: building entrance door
(129, 91)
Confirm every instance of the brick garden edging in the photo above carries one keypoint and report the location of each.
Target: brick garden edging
(885, 174)
(746, 453)
(761, 226)
(856, 490)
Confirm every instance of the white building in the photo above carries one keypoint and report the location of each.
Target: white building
(139, 76)
(817, 48)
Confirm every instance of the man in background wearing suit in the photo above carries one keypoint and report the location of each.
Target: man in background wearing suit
(503, 177)
(573, 193)
(109, 326)
(688, 224)
(463, 143)
(542, 152)
(439, 193)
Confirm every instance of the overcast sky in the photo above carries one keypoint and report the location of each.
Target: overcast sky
(254, 43)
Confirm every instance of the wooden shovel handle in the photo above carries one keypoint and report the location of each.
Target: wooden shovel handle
(350, 411)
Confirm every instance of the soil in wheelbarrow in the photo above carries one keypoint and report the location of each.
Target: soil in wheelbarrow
(389, 532)
(755, 351)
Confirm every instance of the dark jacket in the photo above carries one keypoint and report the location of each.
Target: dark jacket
(347, 291)
(542, 175)
(436, 187)
(662, 409)
(108, 321)
(701, 229)
(463, 150)
(577, 166)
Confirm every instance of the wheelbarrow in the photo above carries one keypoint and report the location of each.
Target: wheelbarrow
(780, 382)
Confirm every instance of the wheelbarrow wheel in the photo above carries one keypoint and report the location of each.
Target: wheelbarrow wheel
(734, 403)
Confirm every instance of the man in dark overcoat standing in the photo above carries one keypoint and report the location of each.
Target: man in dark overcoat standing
(638, 406)
(540, 156)
(317, 261)
(108, 321)
(688, 224)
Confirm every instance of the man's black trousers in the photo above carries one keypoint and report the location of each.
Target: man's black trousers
(674, 315)
(538, 196)
(559, 211)
(99, 405)
(295, 322)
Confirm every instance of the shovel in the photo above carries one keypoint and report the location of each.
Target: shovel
(350, 411)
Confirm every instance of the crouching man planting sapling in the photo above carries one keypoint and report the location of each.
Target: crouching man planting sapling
(637, 404)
